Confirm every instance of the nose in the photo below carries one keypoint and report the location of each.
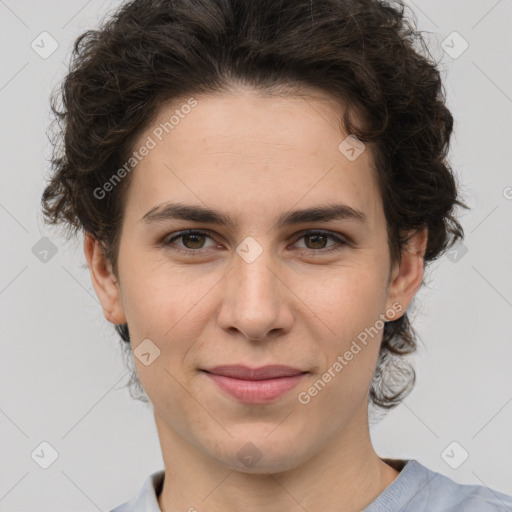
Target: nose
(255, 299)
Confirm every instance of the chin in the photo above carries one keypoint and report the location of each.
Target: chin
(258, 455)
(266, 465)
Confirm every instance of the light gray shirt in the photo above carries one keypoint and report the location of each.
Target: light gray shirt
(415, 489)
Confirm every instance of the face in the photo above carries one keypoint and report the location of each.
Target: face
(255, 292)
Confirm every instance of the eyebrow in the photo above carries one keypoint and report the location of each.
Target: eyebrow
(179, 211)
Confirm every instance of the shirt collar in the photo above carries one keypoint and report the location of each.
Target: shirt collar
(147, 499)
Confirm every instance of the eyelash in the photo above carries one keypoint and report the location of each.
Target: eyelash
(167, 242)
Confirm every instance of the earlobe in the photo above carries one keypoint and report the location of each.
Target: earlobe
(408, 275)
(104, 281)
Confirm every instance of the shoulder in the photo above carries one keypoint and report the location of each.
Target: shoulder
(146, 499)
(419, 489)
(445, 494)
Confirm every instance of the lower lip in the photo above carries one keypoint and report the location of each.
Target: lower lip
(256, 391)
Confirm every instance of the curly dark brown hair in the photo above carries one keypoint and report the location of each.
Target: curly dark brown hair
(365, 53)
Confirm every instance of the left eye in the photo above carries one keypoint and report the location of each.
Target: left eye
(319, 237)
(194, 240)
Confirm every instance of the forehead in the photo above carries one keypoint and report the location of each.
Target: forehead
(252, 152)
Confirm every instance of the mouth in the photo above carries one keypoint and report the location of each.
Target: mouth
(255, 385)
(239, 371)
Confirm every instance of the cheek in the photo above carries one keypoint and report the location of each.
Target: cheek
(349, 299)
(350, 306)
(170, 307)
(157, 295)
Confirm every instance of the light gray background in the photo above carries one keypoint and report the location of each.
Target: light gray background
(61, 369)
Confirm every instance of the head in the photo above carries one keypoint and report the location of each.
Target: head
(252, 110)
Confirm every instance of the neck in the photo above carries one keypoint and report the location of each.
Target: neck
(346, 475)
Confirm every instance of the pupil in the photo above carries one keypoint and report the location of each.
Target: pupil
(317, 237)
(193, 236)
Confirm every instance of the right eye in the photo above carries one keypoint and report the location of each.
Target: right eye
(195, 240)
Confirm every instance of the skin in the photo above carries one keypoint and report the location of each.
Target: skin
(255, 157)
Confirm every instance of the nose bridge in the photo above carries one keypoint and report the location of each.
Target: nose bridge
(253, 303)
(252, 274)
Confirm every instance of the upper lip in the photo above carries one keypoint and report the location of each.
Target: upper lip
(263, 372)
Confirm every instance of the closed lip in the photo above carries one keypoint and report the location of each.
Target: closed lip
(274, 371)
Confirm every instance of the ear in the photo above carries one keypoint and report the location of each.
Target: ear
(104, 281)
(407, 276)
